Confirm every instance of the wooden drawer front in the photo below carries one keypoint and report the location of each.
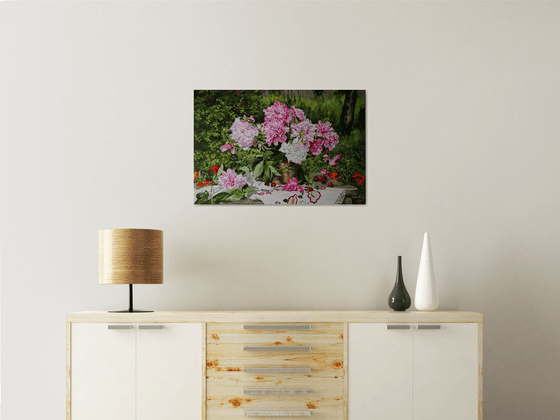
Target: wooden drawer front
(236, 386)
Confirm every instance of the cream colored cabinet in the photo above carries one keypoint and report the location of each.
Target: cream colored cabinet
(330, 365)
(136, 371)
(413, 371)
(103, 372)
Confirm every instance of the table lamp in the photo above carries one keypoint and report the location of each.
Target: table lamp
(130, 256)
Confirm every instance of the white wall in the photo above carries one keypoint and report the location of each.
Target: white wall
(463, 142)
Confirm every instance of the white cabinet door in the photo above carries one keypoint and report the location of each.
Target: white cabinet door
(169, 371)
(446, 372)
(379, 372)
(103, 372)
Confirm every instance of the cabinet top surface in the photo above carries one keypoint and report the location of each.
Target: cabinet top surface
(275, 316)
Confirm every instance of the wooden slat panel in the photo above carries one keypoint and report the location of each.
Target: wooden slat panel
(276, 413)
(235, 351)
(331, 380)
(229, 403)
(317, 328)
(226, 360)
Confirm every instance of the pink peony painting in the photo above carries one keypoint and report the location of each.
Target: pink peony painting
(277, 146)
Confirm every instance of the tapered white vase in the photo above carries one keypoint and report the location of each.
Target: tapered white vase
(426, 298)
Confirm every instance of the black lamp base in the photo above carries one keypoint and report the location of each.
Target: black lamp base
(128, 311)
(130, 308)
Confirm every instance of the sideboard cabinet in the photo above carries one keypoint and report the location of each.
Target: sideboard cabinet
(330, 365)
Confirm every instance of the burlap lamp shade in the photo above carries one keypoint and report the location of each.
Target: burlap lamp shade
(130, 256)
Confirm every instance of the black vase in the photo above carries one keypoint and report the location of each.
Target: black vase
(399, 299)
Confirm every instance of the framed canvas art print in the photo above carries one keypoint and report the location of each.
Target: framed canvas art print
(280, 147)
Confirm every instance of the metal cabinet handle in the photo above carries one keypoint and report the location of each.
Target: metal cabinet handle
(429, 327)
(276, 370)
(268, 348)
(397, 327)
(277, 413)
(119, 327)
(150, 327)
(276, 327)
(276, 391)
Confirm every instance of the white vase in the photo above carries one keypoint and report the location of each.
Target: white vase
(426, 298)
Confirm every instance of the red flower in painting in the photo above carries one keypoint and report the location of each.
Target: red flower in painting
(195, 175)
(333, 175)
(203, 183)
(359, 178)
(215, 168)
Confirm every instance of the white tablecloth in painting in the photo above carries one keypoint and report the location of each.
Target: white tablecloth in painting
(277, 196)
(320, 196)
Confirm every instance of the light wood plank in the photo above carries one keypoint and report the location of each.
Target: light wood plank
(279, 380)
(230, 403)
(68, 371)
(277, 316)
(345, 371)
(480, 372)
(204, 390)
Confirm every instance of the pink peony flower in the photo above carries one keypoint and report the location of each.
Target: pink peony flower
(316, 147)
(277, 112)
(330, 138)
(275, 120)
(298, 113)
(324, 171)
(305, 129)
(324, 129)
(243, 133)
(228, 146)
(229, 179)
(292, 185)
(275, 132)
(330, 141)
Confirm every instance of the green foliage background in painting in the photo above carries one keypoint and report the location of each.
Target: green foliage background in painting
(215, 112)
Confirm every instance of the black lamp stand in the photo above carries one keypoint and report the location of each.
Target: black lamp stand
(130, 308)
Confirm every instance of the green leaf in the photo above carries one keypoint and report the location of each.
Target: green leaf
(266, 176)
(258, 170)
(238, 195)
(202, 197)
(275, 170)
(221, 196)
(245, 169)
